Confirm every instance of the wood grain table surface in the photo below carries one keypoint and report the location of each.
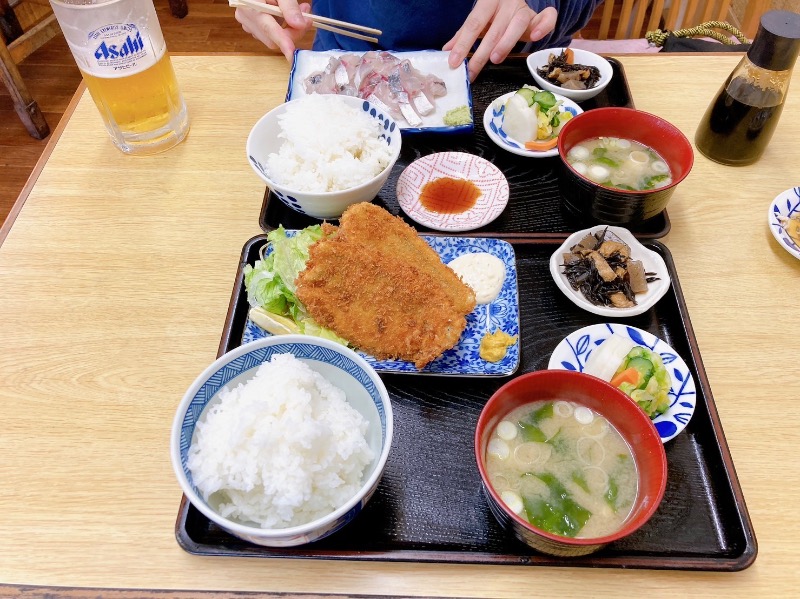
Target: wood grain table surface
(115, 278)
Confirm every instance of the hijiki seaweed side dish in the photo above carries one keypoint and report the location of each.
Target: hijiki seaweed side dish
(601, 268)
(562, 71)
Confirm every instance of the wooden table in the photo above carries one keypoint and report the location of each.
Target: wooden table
(115, 277)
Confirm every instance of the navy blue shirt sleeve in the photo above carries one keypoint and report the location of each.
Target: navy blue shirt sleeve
(425, 25)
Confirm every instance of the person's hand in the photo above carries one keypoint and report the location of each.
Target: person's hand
(508, 22)
(277, 34)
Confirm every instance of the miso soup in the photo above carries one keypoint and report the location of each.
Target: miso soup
(563, 468)
(620, 163)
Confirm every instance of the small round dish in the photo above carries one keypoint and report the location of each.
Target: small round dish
(786, 205)
(457, 165)
(575, 349)
(493, 123)
(651, 261)
(540, 59)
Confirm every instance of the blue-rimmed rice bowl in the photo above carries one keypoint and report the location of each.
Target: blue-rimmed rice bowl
(343, 368)
(264, 140)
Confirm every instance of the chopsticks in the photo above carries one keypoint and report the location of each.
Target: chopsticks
(319, 22)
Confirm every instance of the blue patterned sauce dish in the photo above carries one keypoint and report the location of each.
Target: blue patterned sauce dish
(266, 138)
(364, 391)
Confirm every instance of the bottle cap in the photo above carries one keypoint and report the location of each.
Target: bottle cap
(777, 42)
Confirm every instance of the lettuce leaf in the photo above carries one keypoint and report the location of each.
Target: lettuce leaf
(270, 282)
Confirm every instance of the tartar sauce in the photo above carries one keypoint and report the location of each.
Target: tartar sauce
(483, 272)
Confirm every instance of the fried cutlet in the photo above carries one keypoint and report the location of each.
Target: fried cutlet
(382, 291)
(372, 225)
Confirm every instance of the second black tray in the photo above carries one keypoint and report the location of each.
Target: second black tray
(534, 209)
(429, 507)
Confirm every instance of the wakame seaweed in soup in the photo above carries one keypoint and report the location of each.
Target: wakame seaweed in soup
(563, 468)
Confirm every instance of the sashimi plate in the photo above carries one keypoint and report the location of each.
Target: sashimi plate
(464, 358)
(433, 62)
(575, 349)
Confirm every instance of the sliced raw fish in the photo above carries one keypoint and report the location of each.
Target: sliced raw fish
(383, 78)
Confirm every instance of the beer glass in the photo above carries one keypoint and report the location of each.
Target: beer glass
(123, 58)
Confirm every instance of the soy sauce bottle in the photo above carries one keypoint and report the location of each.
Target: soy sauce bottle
(739, 123)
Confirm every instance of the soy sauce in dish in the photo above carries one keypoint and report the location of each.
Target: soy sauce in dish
(448, 195)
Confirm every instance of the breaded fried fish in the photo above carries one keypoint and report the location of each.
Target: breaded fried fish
(378, 285)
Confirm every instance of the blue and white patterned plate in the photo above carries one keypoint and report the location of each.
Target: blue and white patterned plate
(463, 359)
(493, 123)
(575, 348)
(785, 205)
(426, 61)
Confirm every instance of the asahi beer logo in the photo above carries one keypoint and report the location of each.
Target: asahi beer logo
(119, 46)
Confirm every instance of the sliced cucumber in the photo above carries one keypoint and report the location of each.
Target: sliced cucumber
(528, 94)
(545, 99)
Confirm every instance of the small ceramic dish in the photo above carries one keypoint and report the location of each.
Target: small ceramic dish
(651, 261)
(575, 349)
(493, 123)
(539, 59)
(489, 180)
(786, 205)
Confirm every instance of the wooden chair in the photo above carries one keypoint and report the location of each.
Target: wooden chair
(24, 28)
(21, 42)
(631, 19)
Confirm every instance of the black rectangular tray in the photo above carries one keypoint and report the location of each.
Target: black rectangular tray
(534, 208)
(429, 507)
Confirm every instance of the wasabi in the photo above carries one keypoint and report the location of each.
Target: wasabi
(458, 116)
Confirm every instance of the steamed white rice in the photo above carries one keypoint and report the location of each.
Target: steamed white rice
(328, 146)
(280, 450)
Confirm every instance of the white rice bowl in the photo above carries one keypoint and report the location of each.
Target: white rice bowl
(280, 450)
(328, 145)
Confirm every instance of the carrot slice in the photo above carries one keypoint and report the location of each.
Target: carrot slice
(541, 146)
(569, 56)
(629, 375)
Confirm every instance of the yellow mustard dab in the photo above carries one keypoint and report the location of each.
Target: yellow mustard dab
(495, 345)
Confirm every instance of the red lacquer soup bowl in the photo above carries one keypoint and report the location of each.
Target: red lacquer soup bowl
(621, 412)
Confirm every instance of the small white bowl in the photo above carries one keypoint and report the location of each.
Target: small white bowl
(651, 260)
(489, 179)
(540, 59)
(263, 140)
(785, 205)
(341, 366)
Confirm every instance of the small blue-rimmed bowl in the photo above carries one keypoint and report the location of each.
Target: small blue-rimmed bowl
(493, 123)
(575, 349)
(264, 140)
(785, 206)
(343, 368)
